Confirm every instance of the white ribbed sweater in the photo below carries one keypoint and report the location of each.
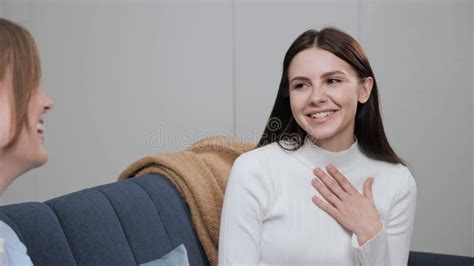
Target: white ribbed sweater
(268, 217)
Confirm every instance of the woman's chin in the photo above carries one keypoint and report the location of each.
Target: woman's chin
(321, 135)
(40, 159)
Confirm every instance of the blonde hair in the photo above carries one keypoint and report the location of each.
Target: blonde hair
(18, 52)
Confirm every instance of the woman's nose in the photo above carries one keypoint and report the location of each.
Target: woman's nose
(318, 95)
(48, 103)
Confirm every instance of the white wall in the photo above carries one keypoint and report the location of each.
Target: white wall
(420, 61)
(472, 120)
(123, 73)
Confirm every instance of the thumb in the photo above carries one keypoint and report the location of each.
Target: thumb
(368, 188)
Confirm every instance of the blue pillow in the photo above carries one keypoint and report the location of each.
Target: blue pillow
(177, 256)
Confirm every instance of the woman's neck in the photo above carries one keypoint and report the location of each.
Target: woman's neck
(9, 171)
(333, 144)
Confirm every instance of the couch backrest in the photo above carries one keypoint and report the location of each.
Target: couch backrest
(433, 259)
(123, 223)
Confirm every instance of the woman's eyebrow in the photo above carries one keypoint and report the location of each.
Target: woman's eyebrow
(330, 73)
(324, 75)
(300, 78)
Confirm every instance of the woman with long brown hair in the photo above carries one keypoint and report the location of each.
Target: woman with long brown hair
(324, 186)
(22, 105)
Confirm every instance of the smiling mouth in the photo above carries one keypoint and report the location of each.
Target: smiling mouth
(321, 114)
(40, 127)
(321, 117)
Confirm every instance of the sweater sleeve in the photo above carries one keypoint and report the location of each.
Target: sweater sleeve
(245, 203)
(391, 246)
(14, 251)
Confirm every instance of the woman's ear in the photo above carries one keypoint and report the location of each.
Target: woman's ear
(365, 89)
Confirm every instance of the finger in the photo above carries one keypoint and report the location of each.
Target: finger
(331, 183)
(325, 192)
(328, 208)
(342, 180)
(368, 188)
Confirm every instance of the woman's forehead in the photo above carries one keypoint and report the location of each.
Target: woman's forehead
(316, 62)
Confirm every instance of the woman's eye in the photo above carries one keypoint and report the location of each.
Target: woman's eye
(334, 81)
(299, 85)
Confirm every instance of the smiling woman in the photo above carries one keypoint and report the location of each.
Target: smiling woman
(326, 188)
(22, 105)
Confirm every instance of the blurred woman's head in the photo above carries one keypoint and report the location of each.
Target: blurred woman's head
(22, 104)
(328, 90)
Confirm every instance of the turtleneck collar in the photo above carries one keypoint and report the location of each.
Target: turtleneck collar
(321, 157)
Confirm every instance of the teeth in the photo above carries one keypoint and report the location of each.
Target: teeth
(321, 114)
(40, 127)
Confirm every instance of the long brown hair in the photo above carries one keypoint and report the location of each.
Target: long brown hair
(19, 54)
(369, 131)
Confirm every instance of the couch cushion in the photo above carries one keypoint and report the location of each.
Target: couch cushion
(39, 230)
(92, 228)
(177, 256)
(139, 219)
(175, 215)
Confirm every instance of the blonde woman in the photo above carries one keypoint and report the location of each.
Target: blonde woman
(22, 107)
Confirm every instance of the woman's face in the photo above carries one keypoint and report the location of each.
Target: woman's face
(324, 91)
(29, 151)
